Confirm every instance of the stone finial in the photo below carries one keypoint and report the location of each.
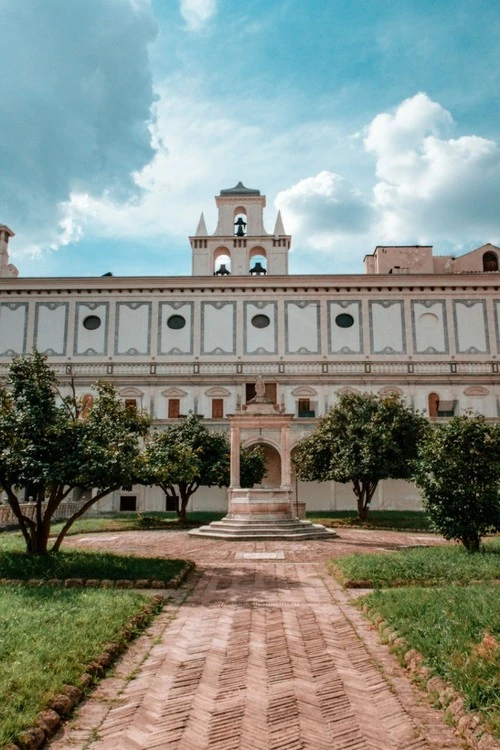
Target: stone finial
(279, 229)
(6, 269)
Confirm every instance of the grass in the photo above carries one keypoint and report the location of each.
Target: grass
(434, 566)
(47, 637)
(113, 522)
(457, 631)
(396, 520)
(14, 563)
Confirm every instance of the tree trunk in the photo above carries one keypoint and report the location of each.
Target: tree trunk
(471, 542)
(364, 491)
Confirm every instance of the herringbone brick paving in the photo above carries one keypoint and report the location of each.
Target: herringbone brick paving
(262, 655)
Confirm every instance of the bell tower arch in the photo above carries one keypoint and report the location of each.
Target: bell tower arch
(240, 246)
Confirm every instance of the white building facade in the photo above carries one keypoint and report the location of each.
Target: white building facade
(425, 327)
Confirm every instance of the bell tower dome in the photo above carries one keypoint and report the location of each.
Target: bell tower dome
(240, 245)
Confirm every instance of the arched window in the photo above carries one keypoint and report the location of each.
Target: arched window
(490, 261)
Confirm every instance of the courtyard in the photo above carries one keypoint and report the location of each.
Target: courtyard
(261, 648)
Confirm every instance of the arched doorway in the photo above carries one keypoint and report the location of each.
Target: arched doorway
(272, 478)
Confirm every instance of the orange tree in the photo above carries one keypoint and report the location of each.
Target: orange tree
(187, 455)
(362, 439)
(51, 445)
(458, 471)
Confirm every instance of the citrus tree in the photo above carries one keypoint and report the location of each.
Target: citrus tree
(187, 455)
(458, 471)
(362, 439)
(53, 444)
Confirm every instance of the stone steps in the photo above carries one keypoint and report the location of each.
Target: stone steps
(245, 530)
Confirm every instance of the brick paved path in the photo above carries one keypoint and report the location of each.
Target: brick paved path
(262, 654)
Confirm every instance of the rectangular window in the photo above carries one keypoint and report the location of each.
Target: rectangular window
(128, 503)
(170, 503)
(174, 408)
(217, 408)
(131, 403)
(304, 408)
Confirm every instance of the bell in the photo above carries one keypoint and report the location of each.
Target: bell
(258, 269)
(240, 225)
(222, 270)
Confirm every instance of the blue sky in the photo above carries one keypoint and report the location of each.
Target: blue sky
(366, 122)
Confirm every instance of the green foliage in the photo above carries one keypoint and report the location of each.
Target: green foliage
(187, 455)
(362, 440)
(429, 566)
(458, 471)
(48, 636)
(457, 631)
(50, 445)
(394, 520)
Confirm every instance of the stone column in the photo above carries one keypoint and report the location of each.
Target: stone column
(235, 457)
(286, 478)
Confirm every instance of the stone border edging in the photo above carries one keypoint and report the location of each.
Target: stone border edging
(468, 723)
(105, 583)
(49, 719)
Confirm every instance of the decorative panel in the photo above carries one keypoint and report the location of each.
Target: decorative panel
(133, 328)
(175, 328)
(91, 328)
(260, 328)
(471, 326)
(345, 332)
(13, 328)
(387, 334)
(218, 328)
(51, 325)
(302, 323)
(429, 328)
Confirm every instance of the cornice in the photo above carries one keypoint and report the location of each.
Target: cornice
(326, 283)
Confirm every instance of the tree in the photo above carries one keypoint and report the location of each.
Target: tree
(187, 455)
(362, 439)
(52, 444)
(458, 471)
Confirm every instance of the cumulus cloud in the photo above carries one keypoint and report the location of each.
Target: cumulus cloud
(197, 13)
(432, 187)
(75, 99)
(323, 208)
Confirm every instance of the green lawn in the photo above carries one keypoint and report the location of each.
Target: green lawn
(149, 520)
(457, 631)
(14, 563)
(47, 636)
(377, 519)
(421, 566)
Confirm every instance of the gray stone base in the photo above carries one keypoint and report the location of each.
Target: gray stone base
(234, 529)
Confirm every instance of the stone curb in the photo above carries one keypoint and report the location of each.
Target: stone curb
(468, 723)
(104, 583)
(49, 719)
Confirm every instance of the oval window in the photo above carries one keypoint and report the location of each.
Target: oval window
(91, 322)
(176, 322)
(260, 321)
(344, 320)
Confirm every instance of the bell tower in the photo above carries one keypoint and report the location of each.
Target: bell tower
(240, 246)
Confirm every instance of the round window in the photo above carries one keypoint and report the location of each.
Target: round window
(91, 322)
(344, 320)
(176, 322)
(260, 321)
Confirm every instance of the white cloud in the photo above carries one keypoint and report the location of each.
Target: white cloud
(320, 209)
(432, 188)
(197, 13)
